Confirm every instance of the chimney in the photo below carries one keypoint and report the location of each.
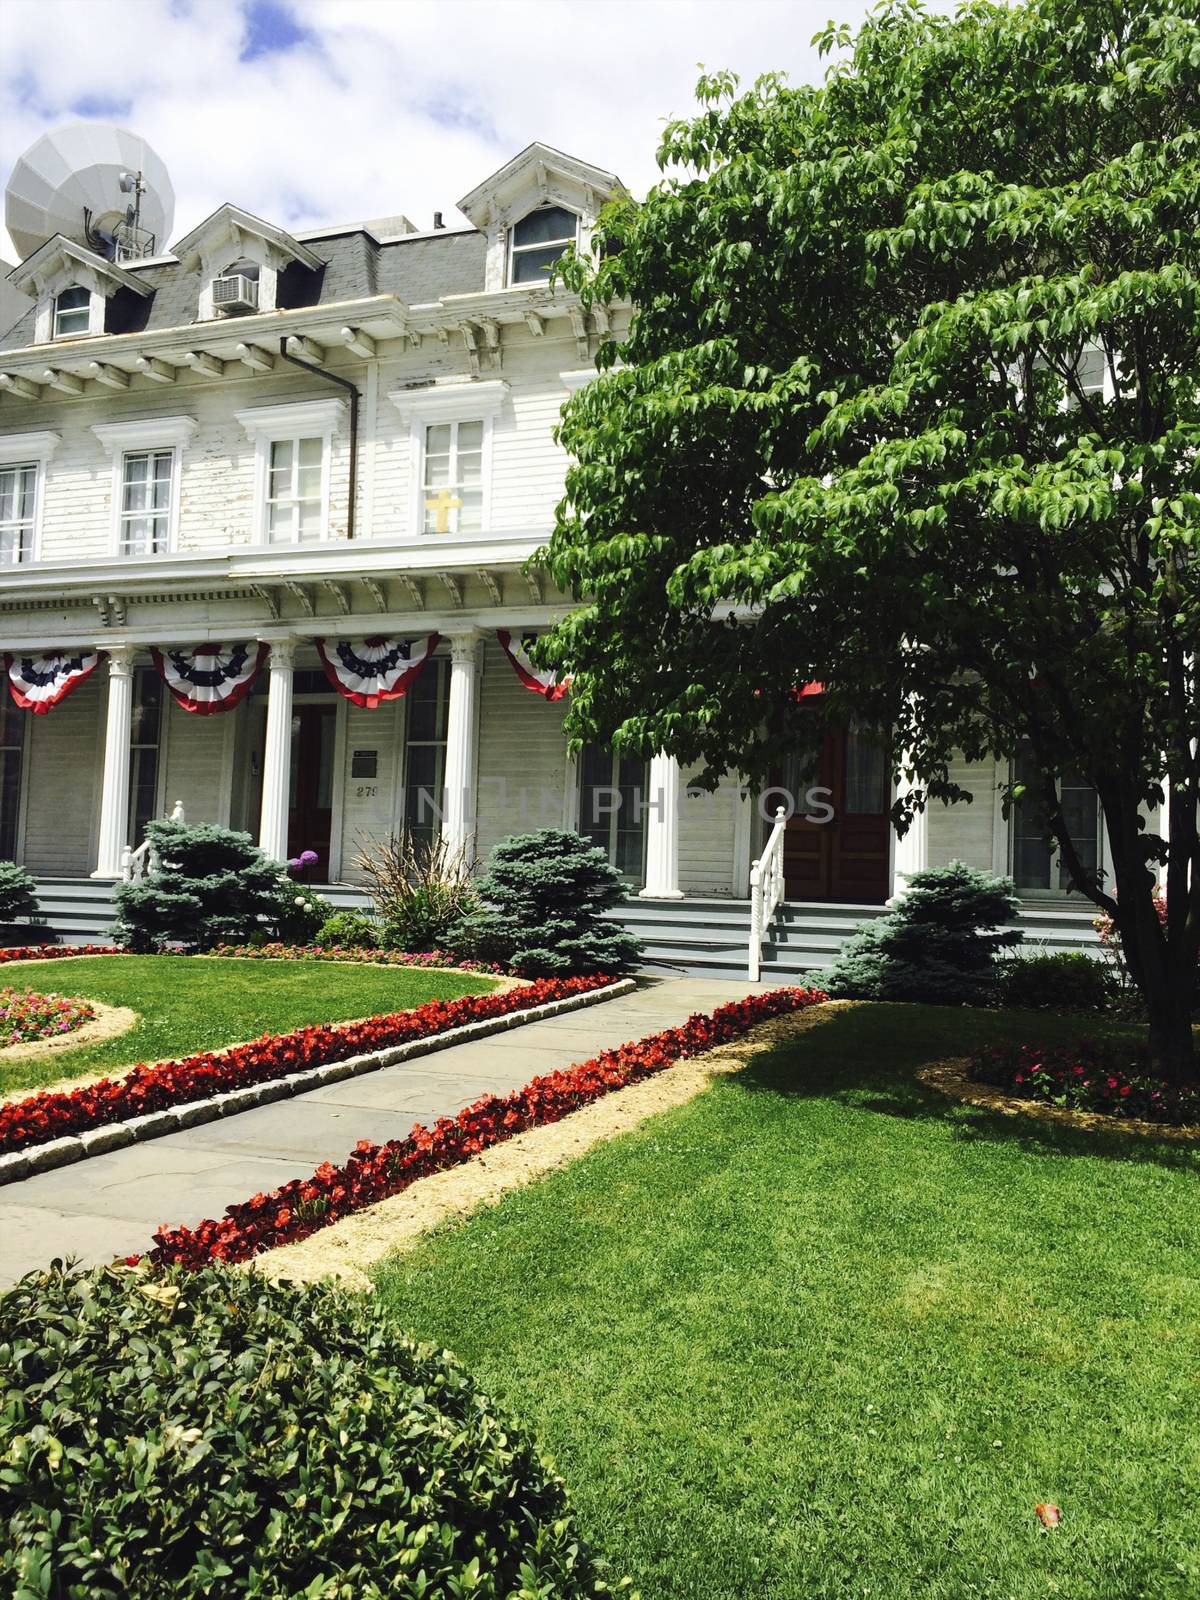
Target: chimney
(437, 220)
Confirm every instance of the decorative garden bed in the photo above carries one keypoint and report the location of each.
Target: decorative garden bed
(39, 1118)
(57, 952)
(1100, 1078)
(370, 954)
(375, 1172)
(31, 1017)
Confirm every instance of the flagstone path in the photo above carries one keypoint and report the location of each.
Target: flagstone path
(111, 1204)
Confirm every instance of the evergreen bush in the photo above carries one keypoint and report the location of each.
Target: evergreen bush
(937, 944)
(209, 886)
(18, 893)
(1067, 980)
(188, 1433)
(544, 894)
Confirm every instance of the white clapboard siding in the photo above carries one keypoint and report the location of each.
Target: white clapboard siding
(522, 760)
(706, 839)
(197, 752)
(65, 755)
(964, 832)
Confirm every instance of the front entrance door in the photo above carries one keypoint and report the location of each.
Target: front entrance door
(844, 857)
(310, 807)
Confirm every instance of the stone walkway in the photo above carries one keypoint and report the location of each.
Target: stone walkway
(111, 1204)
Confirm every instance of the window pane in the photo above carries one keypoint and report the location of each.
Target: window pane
(281, 460)
(279, 521)
(470, 514)
(470, 436)
(533, 266)
(547, 222)
(311, 451)
(866, 775)
(309, 519)
(437, 439)
(1036, 865)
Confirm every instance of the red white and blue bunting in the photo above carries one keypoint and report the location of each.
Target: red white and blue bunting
(517, 651)
(40, 682)
(370, 671)
(210, 677)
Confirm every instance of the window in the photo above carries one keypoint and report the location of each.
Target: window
(427, 703)
(12, 744)
(612, 792)
(452, 423)
(295, 490)
(18, 503)
(454, 477)
(293, 456)
(1037, 868)
(144, 742)
(146, 484)
(539, 240)
(72, 312)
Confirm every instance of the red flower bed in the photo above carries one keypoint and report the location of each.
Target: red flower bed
(40, 1117)
(56, 952)
(374, 1172)
(1112, 1079)
(365, 953)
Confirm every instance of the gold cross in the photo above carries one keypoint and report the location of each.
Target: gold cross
(443, 504)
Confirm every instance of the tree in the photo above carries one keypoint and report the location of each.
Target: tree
(208, 885)
(854, 438)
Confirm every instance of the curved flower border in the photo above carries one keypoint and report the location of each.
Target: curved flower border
(374, 1172)
(57, 952)
(38, 1118)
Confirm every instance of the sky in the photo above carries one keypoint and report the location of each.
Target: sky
(314, 112)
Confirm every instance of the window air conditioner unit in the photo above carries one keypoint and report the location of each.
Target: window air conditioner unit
(235, 292)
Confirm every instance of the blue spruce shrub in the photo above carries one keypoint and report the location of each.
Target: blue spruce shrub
(544, 893)
(211, 886)
(938, 944)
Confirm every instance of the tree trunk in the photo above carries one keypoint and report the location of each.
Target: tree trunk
(1172, 1043)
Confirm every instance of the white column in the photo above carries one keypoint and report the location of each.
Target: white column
(277, 756)
(114, 796)
(910, 854)
(662, 831)
(462, 739)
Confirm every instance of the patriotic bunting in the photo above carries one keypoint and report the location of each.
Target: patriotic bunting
(370, 671)
(39, 682)
(210, 677)
(517, 651)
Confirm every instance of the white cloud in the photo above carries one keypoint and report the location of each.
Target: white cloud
(386, 105)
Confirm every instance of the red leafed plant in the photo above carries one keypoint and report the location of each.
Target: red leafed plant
(373, 1172)
(39, 1117)
(56, 952)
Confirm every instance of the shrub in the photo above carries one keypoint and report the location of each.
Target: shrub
(935, 945)
(300, 913)
(421, 892)
(1066, 981)
(346, 930)
(545, 893)
(208, 885)
(18, 892)
(185, 1434)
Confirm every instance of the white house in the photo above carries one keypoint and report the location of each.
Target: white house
(259, 449)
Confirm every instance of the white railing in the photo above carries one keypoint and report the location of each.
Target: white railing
(766, 892)
(135, 863)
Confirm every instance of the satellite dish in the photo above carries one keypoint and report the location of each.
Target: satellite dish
(85, 167)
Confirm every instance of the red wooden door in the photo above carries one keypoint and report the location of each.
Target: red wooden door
(837, 845)
(310, 811)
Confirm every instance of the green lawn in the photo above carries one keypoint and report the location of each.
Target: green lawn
(820, 1334)
(191, 1003)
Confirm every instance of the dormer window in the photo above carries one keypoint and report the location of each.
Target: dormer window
(539, 240)
(236, 288)
(72, 312)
